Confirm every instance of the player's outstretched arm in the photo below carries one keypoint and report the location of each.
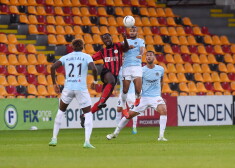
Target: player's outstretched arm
(125, 45)
(53, 68)
(94, 73)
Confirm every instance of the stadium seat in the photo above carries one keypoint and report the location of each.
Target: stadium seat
(112, 21)
(3, 60)
(216, 40)
(32, 59)
(51, 90)
(184, 49)
(154, 21)
(207, 77)
(119, 11)
(3, 38)
(224, 77)
(60, 79)
(224, 40)
(166, 88)
(3, 81)
(32, 69)
(22, 80)
(49, 80)
(11, 90)
(41, 69)
(169, 12)
(178, 58)
(32, 90)
(11, 79)
(187, 21)
(30, 48)
(217, 87)
(203, 59)
(198, 77)
(222, 67)
(120, 21)
(183, 87)
(42, 80)
(171, 22)
(197, 31)
(173, 78)
(12, 59)
(197, 68)
(76, 11)
(215, 77)
(165, 78)
(21, 69)
(188, 30)
(183, 40)
(195, 58)
(230, 68)
(41, 10)
(188, 68)
(192, 88)
(144, 12)
(191, 40)
(32, 79)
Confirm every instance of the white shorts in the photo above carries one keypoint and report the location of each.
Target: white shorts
(146, 102)
(132, 72)
(83, 97)
(130, 100)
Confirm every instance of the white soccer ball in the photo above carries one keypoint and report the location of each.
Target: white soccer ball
(128, 21)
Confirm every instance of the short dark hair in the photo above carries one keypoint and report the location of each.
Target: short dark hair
(77, 45)
(151, 52)
(106, 34)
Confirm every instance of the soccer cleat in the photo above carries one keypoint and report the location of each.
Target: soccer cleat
(102, 105)
(82, 120)
(53, 142)
(137, 101)
(134, 131)
(87, 145)
(111, 136)
(125, 113)
(162, 139)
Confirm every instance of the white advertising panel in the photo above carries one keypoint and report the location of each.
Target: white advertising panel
(106, 117)
(205, 110)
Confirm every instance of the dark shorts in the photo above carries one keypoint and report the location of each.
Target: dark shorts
(102, 74)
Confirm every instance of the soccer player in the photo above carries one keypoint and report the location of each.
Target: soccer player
(76, 67)
(112, 57)
(132, 70)
(130, 102)
(151, 97)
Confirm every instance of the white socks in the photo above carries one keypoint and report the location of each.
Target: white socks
(88, 126)
(163, 120)
(134, 120)
(121, 125)
(124, 97)
(118, 117)
(57, 123)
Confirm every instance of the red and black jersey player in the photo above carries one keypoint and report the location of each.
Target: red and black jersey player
(112, 57)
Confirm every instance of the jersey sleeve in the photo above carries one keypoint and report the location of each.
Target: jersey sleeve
(162, 72)
(120, 46)
(97, 56)
(142, 43)
(89, 59)
(62, 59)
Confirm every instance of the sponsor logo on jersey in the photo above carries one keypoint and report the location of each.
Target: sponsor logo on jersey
(109, 59)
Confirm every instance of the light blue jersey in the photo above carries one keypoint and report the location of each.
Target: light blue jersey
(151, 86)
(76, 67)
(130, 56)
(131, 88)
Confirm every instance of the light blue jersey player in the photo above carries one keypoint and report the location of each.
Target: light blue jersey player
(132, 70)
(130, 102)
(76, 67)
(151, 97)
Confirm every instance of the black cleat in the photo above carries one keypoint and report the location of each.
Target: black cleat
(82, 120)
(102, 105)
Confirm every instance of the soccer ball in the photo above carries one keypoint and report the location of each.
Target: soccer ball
(128, 21)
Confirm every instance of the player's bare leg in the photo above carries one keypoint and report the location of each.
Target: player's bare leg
(138, 88)
(121, 125)
(110, 82)
(161, 108)
(57, 123)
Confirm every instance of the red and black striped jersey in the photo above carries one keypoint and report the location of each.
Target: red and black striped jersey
(112, 57)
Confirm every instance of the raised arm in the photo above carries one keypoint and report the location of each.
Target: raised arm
(125, 45)
(53, 68)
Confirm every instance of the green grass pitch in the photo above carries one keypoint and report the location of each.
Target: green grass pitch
(188, 147)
